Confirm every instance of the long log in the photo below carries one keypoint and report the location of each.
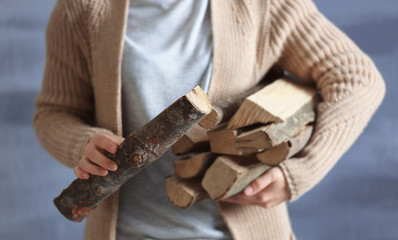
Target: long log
(137, 151)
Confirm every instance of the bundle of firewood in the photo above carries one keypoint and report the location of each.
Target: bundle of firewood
(240, 140)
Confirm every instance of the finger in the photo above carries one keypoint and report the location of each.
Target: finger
(259, 184)
(90, 167)
(116, 139)
(104, 142)
(81, 173)
(239, 199)
(98, 158)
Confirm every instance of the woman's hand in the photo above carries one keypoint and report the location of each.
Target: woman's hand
(93, 160)
(266, 191)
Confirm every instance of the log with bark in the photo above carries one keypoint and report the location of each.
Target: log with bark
(137, 151)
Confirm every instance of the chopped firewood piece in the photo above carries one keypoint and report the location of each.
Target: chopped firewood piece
(195, 140)
(213, 118)
(275, 155)
(184, 192)
(194, 166)
(230, 175)
(273, 134)
(274, 103)
(222, 141)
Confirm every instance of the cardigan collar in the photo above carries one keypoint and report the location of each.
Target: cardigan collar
(107, 57)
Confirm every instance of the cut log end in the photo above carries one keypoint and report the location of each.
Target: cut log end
(199, 99)
(184, 192)
(212, 119)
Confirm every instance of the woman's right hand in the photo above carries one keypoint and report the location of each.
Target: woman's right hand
(93, 160)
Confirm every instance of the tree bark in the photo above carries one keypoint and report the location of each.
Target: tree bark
(137, 151)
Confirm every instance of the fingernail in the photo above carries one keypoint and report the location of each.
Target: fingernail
(85, 175)
(248, 190)
(113, 166)
(113, 149)
(103, 172)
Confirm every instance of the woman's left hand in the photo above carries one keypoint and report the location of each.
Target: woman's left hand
(267, 191)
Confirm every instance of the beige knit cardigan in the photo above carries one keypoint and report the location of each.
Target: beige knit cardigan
(81, 93)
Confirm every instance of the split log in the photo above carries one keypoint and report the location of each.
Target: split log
(194, 166)
(214, 118)
(277, 154)
(230, 175)
(222, 141)
(225, 108)
(273, 134)
(138, 150)
(184, 192)
(274, 103)
(195, 140)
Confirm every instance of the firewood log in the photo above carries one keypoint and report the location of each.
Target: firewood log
(139, 149)
(273, 134)
(277, 154)
(184, 192)
(274, 103)
(194, 166)
(229, 175)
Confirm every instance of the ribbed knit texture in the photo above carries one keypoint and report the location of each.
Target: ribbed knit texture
(81, 89)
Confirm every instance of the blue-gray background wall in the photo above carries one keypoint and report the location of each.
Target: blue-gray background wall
(358, 199)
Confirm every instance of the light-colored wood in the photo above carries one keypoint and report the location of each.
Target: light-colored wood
(194, 166)
(277, 154)
(254, 140)
(184, 192)
(222, 141)
(195, 140)
(273, 134)
(213, 118)
(274, 103)
(230, 175)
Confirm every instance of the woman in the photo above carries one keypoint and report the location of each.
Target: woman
(104, 58)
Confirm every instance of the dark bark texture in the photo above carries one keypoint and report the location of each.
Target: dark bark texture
(138, 150)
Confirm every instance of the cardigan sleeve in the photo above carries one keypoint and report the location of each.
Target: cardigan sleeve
(312, 48)
(65, 106)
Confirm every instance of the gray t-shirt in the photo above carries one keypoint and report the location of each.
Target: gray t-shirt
(167, 52)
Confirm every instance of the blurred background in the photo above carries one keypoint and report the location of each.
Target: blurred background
(356, 200)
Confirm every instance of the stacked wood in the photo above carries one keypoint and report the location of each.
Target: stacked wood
(271, 124)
